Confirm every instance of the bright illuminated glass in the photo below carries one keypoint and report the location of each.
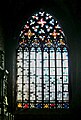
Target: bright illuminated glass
(42, 64)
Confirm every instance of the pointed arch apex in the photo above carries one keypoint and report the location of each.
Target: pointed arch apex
(40, 27)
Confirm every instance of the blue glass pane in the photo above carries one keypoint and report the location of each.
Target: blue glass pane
(66, 105)
(38, 105)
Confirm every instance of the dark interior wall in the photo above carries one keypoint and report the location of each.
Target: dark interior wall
(68, 13)
(1, 38)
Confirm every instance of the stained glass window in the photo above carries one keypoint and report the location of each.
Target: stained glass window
(42, 64)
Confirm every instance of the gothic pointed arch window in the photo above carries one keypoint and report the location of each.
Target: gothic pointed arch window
(42, 64)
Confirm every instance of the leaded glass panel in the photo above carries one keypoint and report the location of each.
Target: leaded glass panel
(42, 64)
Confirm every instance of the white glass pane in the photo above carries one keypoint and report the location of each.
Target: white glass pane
(52, 87)
(45, 62)
(32, 79)
(59, 95)
(19, 55)
(59, 87)
(45, 56)
(59, 79)
(46, 87)
(38, 79)
(32, 53)
(25, 79)
(39, 71)
(58, 62)
(52, 63)
(38, 87)
(32, 87)
(65, 71)
(65, 87)
(65, 96)
(32, 91)
(19, 63)
(65, 79)
(52, 80)
(32, 96)
(26, 63)
(26, 55)
(19, 71)
(25, 95)
(19, 96)
(39, 63)
(25, 71)
(65, 55)
(46, 79)
(59, 71)
(58, 55)
(39, 91)
(32, 63)
(39, 55)
(46, 97)
(19, 87)
(52, 54)
(32, 71)
(46, 91)
(52, 96)
(25, 87)
(19, 79)
(52, 71)
(46, 71)
(39, 96)
(65, 63)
